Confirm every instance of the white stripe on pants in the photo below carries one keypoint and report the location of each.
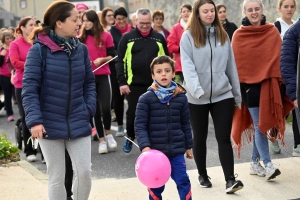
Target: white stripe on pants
(80, 154)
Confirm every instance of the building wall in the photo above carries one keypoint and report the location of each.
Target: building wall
(5, 4)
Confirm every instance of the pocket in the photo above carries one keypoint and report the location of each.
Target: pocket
(252, 95)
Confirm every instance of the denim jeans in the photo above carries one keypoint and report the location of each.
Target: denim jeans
(260, 142)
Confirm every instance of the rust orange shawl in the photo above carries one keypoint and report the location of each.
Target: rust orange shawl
(257, 54)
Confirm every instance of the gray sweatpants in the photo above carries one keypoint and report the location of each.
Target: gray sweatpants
(80, 154)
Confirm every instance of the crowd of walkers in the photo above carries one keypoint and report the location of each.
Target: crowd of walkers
(71, 73)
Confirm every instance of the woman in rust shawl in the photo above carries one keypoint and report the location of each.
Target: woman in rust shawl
(256, 45)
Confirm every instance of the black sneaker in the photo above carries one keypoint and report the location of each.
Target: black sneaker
(204, 181)
(233, 185)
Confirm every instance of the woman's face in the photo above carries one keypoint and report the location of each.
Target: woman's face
(69, 28)
(185, 14)
(253, 11)
(28, 27)
(121, 21)
(8, 39)
(109, 18)
(158, 20)
(80, 12)
(88, 25)
(207, 14)
(222, 14)
(287, 9)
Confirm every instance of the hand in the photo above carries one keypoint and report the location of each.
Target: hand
(37, 131)
(296, 103)
(201, 96)
(98, 61)
(124, 89)
(3, 52)
(189, 153)
(146, 149)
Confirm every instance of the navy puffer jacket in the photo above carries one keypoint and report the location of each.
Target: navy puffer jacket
(164, 127)
(288, 60)
(63, 97)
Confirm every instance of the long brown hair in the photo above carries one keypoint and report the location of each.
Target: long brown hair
(97, 29)
(198, 30)
(57, 11)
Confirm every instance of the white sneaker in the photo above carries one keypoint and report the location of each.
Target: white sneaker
(31, 158)
(102, 147)
(271, 171)
(257, 169)
(112, 144)
(120, 132)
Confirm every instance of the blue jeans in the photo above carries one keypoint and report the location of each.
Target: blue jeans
(260, 142)
(181, 178)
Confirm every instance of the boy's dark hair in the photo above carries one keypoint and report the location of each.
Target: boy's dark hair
(160, 60)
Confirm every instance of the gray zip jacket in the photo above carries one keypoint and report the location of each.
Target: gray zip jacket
(210, 71)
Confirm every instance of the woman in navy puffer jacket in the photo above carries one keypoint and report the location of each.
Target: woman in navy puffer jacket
(59, 98)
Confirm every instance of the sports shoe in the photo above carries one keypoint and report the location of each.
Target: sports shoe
(204, 181)
(113, 115)
(127, 146)
(10, 118)
(31, 158)
(257, 169)
(44, 161)
(94, 131)
(271, 171)
(274, 147)
(296, 151)
(120, 132)
(102, 147)
(233, 185)
(111, 142)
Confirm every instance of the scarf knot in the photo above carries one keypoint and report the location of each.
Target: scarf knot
(165, 94)
(68, 45)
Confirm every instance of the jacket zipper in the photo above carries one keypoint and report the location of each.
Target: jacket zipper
(169, 137)
(211, 75)
(69, 98)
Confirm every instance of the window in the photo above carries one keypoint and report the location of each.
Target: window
(23, 3)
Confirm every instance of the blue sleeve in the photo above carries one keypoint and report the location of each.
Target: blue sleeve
(31, 92)
(185, 124)
(141, 122)
(288, 60)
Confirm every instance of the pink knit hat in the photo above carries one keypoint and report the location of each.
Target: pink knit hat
(80, 6)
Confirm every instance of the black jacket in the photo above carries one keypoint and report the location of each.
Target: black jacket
(135, 54)
(117, 35)
(229, 27)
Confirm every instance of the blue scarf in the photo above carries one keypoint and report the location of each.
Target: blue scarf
(165, 94)
(68, 45)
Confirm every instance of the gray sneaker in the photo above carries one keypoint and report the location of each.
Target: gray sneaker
(271, 171)
(274, 147)
(120, 132)
(257, 169)
(296, 151)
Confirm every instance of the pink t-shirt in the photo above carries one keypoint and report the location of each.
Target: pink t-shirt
(99, 51)
(4, 70)
(18, 51)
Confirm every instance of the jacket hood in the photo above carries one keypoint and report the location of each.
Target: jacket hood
(179, 89)
(246, 22)
(44, 39)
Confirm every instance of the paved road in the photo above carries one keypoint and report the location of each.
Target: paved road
(121, 165)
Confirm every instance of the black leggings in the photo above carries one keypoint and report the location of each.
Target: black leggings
(25, 131)
(221, 113)
(103, 90)
(295, 130)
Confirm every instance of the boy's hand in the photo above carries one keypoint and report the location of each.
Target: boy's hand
(145, 149)
(189, 153)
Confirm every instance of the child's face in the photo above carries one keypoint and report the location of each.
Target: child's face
(163, 74)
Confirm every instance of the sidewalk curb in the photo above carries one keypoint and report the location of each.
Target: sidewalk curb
(33, 171)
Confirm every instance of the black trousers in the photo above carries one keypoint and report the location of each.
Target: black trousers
(68, 175)
(7, 89)
(25, 131)
(295, 130)
(222, 114)
(132, 98)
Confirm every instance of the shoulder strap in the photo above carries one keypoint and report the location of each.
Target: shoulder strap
(85, 52)
(43, 55)
(278, 26)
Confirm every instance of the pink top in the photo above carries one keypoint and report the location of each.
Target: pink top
(4, 70)
(99, 51)
(18, 50)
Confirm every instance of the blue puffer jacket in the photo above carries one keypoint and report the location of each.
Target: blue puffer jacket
(63, 97)
(164, 127)
(288, 60)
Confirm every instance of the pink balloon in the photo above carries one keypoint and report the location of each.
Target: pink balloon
(153, 168)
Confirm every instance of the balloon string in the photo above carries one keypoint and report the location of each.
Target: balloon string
(105, 63)
(132, 142)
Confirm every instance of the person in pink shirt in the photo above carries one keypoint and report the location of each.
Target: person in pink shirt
(174, 38)
(5, 75)
(17, 53)
(101, 49)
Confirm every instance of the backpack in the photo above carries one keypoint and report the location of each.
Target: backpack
(278, 26)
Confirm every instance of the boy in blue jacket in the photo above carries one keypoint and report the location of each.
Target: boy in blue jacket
(163, 123)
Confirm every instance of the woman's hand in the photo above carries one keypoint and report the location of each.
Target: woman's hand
(98, 61)
(145, 149)
(3, 52)
(189, 153)
(296, 103)
(37, 131)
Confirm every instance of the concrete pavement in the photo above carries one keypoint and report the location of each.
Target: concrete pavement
(23, 181)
